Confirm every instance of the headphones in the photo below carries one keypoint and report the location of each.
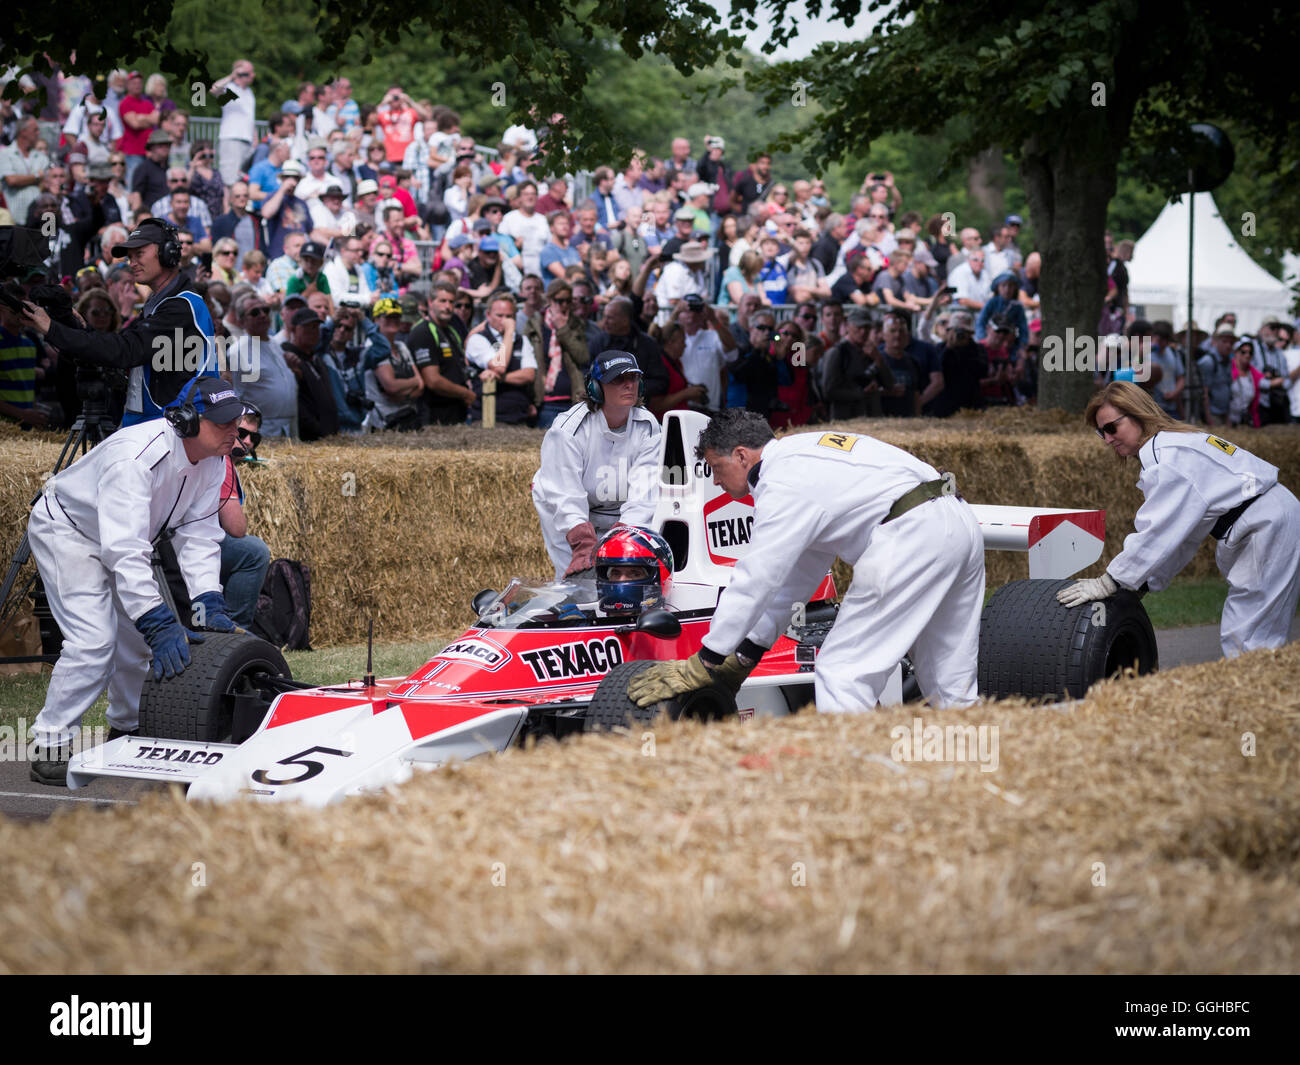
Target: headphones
(184, 417)
(596, 390)
(169, 250)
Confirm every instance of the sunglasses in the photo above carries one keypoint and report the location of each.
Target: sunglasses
(761, 328)
(381, 254)
(117, 162)
(99, 309)
(251, 435)
(228, 251)
(1109, 428)
(563, 301)
(257, 312)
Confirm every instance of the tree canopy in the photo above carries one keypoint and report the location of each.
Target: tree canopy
(1087, 101)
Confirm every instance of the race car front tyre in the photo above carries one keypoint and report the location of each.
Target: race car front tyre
(228, 672)
(1033, 646)
(610, 707)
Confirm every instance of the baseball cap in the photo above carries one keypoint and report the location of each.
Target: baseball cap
(292, 168)
(385, 307)
(158, 136)
(292, 297)
(134, 74)
(304, 316)
(611, 364)
(489, 244)
(857, 316)
(482, 226)
(351, 300)
(366, 187)
(685, 214)
(1013, 220)
(313, 250)
(149, 231)
(213, 398)
(410, 304)
(101, 171)
(701, 188)
(77, 157)
(458, 241)
(714, 142)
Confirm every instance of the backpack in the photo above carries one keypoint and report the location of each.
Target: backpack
(284, 606)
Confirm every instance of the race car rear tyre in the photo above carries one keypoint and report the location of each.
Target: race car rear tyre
(610, 707)
(1033, 646)
(200, 703)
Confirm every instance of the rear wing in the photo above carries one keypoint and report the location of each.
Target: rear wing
(709, 531)
(1060, 543)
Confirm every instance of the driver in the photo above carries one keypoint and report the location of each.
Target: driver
(634, 570)
(600, 465)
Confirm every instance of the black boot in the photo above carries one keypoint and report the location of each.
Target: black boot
(117, 733)
(50, 766)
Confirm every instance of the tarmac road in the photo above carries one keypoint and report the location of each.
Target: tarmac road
(23, 800)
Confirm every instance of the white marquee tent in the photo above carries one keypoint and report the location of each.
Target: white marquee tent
(1225, 279)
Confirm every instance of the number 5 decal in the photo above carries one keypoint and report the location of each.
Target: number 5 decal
(314, 769)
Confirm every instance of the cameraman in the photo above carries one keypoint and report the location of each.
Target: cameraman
(854, 374)
(165, 347)
(354, 342)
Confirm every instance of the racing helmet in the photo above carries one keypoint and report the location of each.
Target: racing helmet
(634, 570)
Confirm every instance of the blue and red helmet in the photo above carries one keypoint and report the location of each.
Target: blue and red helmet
(634, 570)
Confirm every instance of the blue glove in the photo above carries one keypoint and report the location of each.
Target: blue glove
(214, 612)
(168, 641)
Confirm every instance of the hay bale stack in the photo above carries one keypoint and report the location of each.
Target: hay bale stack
(1152, 829)
(410, 526)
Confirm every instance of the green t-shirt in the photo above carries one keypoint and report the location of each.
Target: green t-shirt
(298, 283)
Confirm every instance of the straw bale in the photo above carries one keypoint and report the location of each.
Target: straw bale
(433, 517)
(1129, 835)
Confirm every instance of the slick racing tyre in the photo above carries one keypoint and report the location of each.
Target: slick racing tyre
(1033, 646)
(610, 707)
(227, 672)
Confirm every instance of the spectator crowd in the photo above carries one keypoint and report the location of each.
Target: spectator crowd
(373, 267)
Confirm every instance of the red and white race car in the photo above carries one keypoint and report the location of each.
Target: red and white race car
(539, 661)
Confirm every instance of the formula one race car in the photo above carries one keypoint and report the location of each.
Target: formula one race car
(540, 660)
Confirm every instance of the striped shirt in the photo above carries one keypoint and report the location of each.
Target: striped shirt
(17, 369)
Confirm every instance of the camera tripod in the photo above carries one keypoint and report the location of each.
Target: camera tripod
(91, 427)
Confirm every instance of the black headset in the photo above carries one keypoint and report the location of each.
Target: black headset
(184, 417)
(169, 248)
(596, 390)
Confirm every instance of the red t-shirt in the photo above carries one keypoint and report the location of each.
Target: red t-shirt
(133, 141)
(676, 382)
(399, 130)
(794, 396)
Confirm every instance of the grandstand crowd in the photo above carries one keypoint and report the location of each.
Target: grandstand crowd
(372, 266)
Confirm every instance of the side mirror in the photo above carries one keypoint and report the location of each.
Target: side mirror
(480, 602)
(660, 623)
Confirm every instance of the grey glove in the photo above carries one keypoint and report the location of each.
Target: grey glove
(1086, 591)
